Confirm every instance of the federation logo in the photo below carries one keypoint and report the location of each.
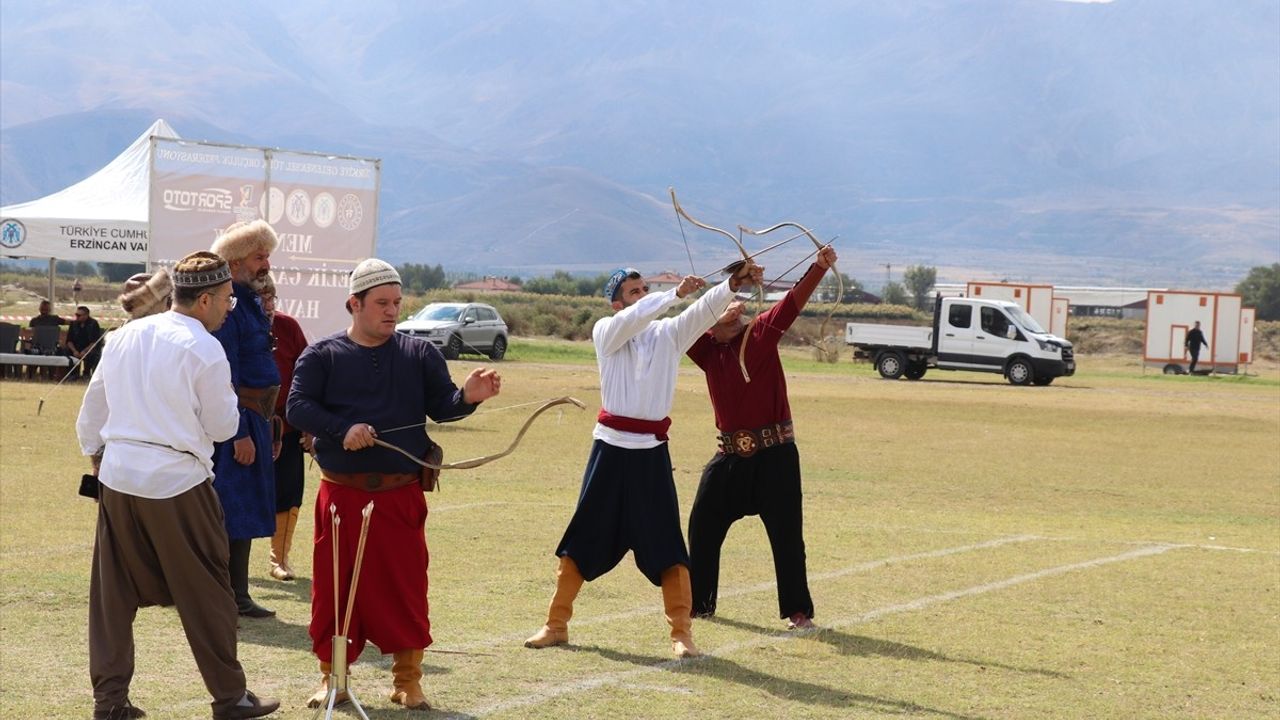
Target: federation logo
(271, 205)
(350, 212)
(246, 211)
(324, 210)
(297, 207)
(12, 233)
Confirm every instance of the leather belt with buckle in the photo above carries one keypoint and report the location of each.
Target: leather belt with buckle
(746, 443)
(370, 482)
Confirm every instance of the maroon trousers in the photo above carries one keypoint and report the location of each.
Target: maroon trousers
(391, 598)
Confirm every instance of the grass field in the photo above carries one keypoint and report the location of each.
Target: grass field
(1107, 547)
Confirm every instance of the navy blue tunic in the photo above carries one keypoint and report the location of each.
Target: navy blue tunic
(338, 383)
(247, 492)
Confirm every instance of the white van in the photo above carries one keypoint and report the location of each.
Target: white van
(967, 334)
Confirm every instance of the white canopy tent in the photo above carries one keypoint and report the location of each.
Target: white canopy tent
(102, 218)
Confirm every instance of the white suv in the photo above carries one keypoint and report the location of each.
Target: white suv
(458, 328)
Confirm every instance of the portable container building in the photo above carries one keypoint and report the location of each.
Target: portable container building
(1037, 300)
(1170, 316)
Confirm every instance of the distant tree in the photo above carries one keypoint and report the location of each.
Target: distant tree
(919, 281)
(515, 280)
(85, 269)
(562, 282)
(826, 291)
(65, 267)
(119, 272)
(1261, 289)
(415, 277)
(893, 294)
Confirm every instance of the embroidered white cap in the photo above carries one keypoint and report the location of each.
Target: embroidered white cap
(372, 272)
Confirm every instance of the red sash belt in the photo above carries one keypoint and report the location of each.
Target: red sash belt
(657, 428)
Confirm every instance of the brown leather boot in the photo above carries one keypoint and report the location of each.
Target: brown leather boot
(406, 672)
(677, 597)
(556, 631)
(321, 696)
(278, 569)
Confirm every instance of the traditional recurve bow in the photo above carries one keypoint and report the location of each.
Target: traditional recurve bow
(478, 461)
(839, 280)
(746, 257)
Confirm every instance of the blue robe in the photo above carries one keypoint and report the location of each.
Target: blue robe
(247, 492)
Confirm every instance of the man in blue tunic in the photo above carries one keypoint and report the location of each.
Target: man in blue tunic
(243, 472)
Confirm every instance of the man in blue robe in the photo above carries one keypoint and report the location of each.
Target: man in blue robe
(244, 476)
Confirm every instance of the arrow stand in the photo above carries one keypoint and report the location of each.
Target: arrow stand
(338, 682)
(338, 677)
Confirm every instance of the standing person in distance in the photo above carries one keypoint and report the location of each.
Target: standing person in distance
(1195, 338)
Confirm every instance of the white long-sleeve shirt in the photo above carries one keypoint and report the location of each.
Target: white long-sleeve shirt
(160, 398)
(639, 356)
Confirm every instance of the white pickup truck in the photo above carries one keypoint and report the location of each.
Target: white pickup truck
(967, 334)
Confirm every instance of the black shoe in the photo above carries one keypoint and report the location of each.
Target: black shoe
(250, 706)
(120, 712)
(254, 610)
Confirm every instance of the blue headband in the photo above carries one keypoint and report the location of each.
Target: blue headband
(615, 280)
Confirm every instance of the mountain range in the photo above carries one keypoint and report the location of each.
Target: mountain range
(1133, 142)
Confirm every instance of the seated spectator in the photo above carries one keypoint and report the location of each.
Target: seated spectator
(46, 316)
(34, 346)
(83, 341)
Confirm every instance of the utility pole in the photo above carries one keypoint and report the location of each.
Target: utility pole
(888, 270)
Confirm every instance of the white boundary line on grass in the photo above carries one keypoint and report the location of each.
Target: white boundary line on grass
(591, 683)
(761, 587)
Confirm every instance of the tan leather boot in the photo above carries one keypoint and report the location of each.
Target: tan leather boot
(288, 542)
(677, 597)
(278, 569)
(406, 672)
(321, 696)
(556, 631)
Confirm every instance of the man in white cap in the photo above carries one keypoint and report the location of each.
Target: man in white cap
(345, 388)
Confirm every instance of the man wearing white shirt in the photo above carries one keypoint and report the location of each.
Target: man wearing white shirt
(628, 498)
(161, 397)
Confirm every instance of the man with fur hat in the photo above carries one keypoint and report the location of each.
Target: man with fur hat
(346, 387)
(244, 475)
(147, 294)
(160, 398)
(628, 498)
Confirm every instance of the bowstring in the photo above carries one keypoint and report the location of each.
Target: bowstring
(459, 417)
(790, 330)
(687, 251)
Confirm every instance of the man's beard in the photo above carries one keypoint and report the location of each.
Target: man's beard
(259, 281)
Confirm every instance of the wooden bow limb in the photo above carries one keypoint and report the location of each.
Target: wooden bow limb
(805, 231)
(483, 459)
(746, 257)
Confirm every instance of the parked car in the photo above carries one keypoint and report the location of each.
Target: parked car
(458, 328)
